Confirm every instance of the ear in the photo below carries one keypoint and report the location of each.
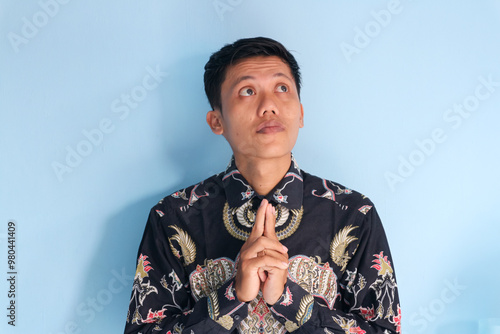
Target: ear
(214, 121)
(301, 124)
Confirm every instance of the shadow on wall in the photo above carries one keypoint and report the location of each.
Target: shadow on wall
(192, 150)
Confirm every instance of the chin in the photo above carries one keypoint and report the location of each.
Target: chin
(274, 154)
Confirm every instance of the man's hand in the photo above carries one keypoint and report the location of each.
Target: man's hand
(263, 260)
(273, 278)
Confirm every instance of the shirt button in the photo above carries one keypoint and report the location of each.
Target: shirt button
(236, 317)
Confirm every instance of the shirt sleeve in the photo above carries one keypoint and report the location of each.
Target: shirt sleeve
(368, 299)
(161, 301)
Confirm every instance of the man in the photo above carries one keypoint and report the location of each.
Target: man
(262, 247)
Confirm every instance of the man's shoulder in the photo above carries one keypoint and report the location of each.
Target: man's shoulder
(316, 187)
(187, 197)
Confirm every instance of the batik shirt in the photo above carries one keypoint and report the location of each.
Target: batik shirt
(340, 275)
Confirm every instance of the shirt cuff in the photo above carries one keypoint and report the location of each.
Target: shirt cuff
(225, 308)
(295, 306)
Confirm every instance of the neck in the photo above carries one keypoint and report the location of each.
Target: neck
(263, 174)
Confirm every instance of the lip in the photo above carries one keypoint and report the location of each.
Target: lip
(272, 126)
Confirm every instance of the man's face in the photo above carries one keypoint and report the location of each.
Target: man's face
(261, 112)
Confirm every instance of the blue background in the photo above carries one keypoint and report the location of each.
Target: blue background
(379, 77)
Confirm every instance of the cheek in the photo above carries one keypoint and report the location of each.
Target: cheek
(296, 118)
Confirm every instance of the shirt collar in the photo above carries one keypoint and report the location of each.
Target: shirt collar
(288, 192)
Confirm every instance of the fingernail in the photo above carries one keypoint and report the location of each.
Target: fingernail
(285, 249)
(284, 264)
(262, 202)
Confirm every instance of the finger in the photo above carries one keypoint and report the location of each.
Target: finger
(258, 226)
(267, 263)
(270, 222)
(260, 246)
(247, 286)
(272, 271)
(273, 287)
(272, 253)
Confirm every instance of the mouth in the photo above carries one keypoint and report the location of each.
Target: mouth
(270, 127)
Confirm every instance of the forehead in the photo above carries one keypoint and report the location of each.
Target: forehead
(256, 67)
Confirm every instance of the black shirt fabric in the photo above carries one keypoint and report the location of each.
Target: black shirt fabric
(340, 276)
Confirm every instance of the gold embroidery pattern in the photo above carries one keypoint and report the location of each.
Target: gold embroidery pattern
(291, 326)
(319, 280)
(188, 247)
(304, 313)
(305, 309)
(208, 278)
(226, 321)
(339, 245)
(245, 216)
(213, 311)
(137, 319)
(293, 226)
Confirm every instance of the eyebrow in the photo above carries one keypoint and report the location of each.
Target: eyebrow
(250, 77)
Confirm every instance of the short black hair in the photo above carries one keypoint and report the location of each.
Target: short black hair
(215, 68)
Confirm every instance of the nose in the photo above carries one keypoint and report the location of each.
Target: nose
(267, 105)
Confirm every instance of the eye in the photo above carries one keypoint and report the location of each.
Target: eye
(282, 89)
(247, 91)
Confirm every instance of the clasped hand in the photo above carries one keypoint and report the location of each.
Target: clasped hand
(263, 261)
